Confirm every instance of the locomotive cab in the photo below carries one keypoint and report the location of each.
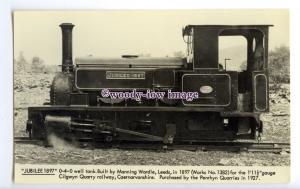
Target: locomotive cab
(246, 91)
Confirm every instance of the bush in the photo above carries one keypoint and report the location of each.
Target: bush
(279, 65)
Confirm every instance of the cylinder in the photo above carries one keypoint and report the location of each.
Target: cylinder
(67, 61)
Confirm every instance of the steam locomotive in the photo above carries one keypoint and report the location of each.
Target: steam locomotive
(227, 106)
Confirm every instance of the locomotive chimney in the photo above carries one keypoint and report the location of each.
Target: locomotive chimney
(67, 62)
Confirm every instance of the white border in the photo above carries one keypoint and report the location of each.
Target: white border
(6, 80)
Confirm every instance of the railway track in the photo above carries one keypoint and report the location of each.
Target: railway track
(232, 146)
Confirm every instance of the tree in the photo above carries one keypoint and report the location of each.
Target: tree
(37, 65)
(279, 65)
(20, 63)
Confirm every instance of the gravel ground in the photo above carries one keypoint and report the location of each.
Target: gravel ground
(33, 89)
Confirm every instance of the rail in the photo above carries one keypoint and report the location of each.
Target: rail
(232, 146)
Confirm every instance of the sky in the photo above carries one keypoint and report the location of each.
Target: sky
(111, 33)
